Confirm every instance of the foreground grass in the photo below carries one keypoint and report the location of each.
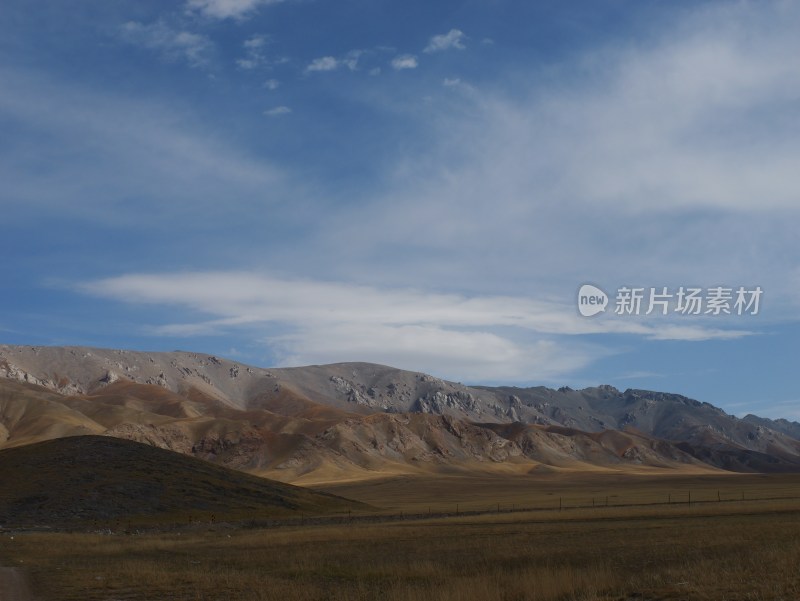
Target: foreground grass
(726, 551)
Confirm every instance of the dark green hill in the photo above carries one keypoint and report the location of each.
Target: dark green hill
(83, 481)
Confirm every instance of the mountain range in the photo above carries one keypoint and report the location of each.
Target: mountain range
(351, 421)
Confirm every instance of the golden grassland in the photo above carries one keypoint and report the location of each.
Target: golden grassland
(562, 488)
(672, 553)
(707, 550)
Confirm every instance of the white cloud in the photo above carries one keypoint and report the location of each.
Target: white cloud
(452, 39)
(449, 82)
(447, 334)
(696, 120)
(404, 61)
(278, 111)
(226, 9)
(673, 162)
(456, 355)
(669, 163)
(255, 41)
(682, 332)
(172, 44)
(325, 63)
(331, 63)
(375, 71)
(272, 84)
(254, 53)
(494, 336)
(351, 59)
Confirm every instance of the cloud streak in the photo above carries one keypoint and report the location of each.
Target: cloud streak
(278, 111)
(171, 162)
(170, 43)
(494, 336)
(670, 163)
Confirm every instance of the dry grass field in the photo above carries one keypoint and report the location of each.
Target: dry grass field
(708, 550)
(554, 488)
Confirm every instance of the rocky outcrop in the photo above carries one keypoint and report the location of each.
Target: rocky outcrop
(440, 402)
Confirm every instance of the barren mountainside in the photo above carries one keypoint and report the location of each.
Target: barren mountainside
(359, 420)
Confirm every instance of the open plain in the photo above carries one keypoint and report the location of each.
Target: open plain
(638, 547)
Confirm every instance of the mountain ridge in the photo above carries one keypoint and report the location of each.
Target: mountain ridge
(360, 419)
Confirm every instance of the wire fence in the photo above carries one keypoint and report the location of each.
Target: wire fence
(557, 503)
(546, 504)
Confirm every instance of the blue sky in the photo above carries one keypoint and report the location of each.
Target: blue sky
(420, 184)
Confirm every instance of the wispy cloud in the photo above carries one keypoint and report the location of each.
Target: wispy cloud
(254, 53)
(170, 43)
(510, 337)
(277, 111)
(332, 63)
(327, 321)
(324, 63)
(681, 148)
(227, 9)
(789, 409)
(684, 123)
(404, 61)
(639, 375)
(272, 84)
(171, 161)
(351, 59)
(452, 39)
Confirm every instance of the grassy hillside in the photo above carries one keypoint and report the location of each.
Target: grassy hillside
(87, 480)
